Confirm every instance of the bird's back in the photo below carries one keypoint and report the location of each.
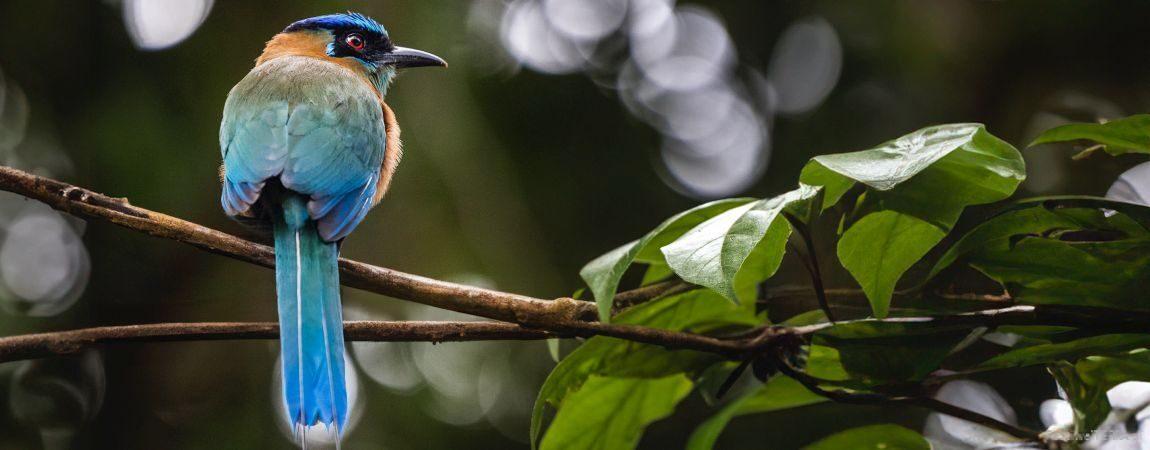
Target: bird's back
(317, 126)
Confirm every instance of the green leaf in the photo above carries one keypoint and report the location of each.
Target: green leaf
(1087, 382)
(996, 234)
(611, 413)
(877, 353)
(834, 185)
(656, 273)
(603, 274)
(1110, 371)
(919, 183)
(873, 437)
(1128, 135)
(825, 363)
(1063, 250)
(778, 393)
(812, 317)
(985, 168)
(605, 356)
(1088, 401)
(1138, 212)
(754, 235)
(1066, 351)
(1044, 215)
(894, 162)
(880, 247)
(1037, 270)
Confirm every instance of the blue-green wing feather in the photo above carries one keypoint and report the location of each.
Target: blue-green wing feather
(322, 134)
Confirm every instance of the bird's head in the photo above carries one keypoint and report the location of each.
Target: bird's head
(353, 40)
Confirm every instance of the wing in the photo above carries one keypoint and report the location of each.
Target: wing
(317, 127)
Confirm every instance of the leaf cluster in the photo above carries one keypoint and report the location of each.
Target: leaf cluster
(897, 206)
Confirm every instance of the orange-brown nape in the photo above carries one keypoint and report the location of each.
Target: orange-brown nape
(314, 44)
(301, 43)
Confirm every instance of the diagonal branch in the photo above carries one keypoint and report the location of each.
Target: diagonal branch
(488, 303)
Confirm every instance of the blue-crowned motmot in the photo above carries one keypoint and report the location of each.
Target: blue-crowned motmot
(309, 147)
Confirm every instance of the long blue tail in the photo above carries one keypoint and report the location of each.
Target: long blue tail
(311, 323)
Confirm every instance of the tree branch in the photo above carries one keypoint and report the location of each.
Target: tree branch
(29, 346)
(40, 345)
(488, 303)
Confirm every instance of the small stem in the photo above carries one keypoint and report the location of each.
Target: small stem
(940, 406)
(841, 396)
(733, 377)
(651, 292)
(813, 265)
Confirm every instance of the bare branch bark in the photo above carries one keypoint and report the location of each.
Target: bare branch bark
(30, 346)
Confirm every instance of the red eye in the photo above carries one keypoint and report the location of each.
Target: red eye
(354, 41)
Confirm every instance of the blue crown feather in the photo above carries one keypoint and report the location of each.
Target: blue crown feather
(339, 23)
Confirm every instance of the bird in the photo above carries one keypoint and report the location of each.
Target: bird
(308, 148)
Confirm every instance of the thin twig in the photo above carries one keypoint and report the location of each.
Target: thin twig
(813, 264)
(626, 299)
(733, 377)
(940, 406)
(1089, 318)
(857, 295)
(863, 398)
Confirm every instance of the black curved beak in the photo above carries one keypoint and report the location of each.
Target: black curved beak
(403, 57)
